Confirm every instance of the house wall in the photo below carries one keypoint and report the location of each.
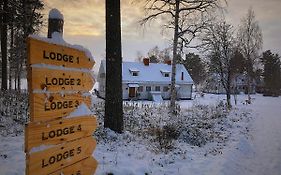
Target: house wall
(125, 92)
(102, 87)
(185, 91)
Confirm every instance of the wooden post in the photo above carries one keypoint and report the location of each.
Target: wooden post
(55, 22)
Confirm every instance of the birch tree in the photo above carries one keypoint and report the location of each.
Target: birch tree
(219, 43)
(180, 15)
(250, 44)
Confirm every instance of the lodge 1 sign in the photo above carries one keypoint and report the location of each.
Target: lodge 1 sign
(56, 142)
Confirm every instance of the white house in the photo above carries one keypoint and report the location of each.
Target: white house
(149, 81)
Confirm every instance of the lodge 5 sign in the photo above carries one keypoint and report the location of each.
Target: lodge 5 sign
(55, 158)
(58, 77)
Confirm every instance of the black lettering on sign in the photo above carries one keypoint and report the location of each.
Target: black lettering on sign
(57, 158)
(63, 81)
(58, 56)
(61, 132)
(78, 82)
(57, 105)
(77, 173)
(79, 150)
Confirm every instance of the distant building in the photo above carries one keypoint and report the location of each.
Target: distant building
(149, 81)
(239, 84)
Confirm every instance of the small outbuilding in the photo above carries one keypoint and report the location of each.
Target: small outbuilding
(149, 81)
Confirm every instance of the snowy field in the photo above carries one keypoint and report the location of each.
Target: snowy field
(252, 147)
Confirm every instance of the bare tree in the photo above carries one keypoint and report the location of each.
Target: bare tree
(250, 44)
(219, 43)
(177, 12)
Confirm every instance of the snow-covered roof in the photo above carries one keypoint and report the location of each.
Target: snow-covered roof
(152, 73)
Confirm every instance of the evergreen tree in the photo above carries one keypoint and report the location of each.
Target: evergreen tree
(195, 67)
(271, 73)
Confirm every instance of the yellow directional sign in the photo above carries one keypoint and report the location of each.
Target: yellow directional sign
(58, 131)
(41, 52)
(49, 106)
(84, 167)
(55, 144)
(58, 80)
(58, 157)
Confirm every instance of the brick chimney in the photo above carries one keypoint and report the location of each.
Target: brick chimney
(146, 61)
(169, 62)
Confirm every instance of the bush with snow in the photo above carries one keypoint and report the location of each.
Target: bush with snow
(13, 112)
(155, 127)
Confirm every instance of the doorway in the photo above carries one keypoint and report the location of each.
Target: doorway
(132, 92)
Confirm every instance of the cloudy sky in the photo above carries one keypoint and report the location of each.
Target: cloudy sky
(85, 24)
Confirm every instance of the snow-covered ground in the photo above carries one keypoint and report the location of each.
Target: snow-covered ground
(253, 148)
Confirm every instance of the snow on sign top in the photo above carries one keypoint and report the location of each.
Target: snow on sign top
(58, 40)
(55, 14)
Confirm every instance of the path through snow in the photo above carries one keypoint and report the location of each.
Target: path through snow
(260, 154)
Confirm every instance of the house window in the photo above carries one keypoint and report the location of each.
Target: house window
(165, 88)
(135, 74)
(148, 88)
(165, 73)
(140, 88)
(157, 88)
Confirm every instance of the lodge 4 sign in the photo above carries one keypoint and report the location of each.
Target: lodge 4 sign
(58, 80)
(58, 131)
(53, 159)
(41, 52)
(50, 106)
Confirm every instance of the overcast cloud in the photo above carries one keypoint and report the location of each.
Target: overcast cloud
(85, 24)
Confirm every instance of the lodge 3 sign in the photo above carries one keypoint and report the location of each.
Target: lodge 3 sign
(56, 105)
(58, 78)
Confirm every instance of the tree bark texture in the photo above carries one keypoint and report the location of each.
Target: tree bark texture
(175, 55)
(4, 46)
(113, 98)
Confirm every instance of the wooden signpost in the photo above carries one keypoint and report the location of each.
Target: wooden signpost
(52, 159)
(58, 76)
(56, 131)
(60, 80)
(50, 106)
(45, 53)
(89, 165)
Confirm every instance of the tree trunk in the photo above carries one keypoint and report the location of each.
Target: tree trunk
(10, 65)
(4, 45)
(113, 97)
(228, 91)
(19, 77)
(174, 62)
